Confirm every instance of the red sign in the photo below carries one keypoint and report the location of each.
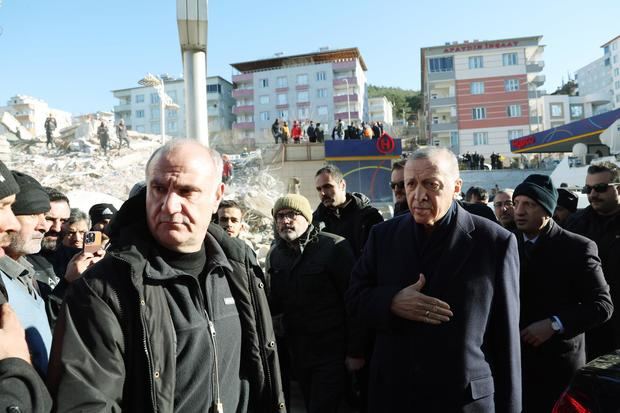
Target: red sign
(385, 144)
(480, 46)
(520, 143)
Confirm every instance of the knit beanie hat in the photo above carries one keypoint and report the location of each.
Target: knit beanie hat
(32, 198)
(294, 201)
(540, 188)
(99, 212)
(567, 199)
(8, 186)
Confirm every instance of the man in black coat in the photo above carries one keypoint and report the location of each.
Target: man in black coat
(309, 272)
(563, 294)
(440, 286)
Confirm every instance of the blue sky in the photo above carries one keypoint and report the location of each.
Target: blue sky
(71, 53)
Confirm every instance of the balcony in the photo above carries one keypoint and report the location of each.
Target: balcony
(343, 66)
(432, 76)
(243, 109)
(535, 94)
(282, 106)
(343, 98)
(534, 67)
(302, 87)
(344, 116)
(126, 107)
(244, 77)
(598, 98)
(538, 80)
(236, 93)
(443, 127)
(243, 125)
(282, 89)
(341, 82)
(442, 101)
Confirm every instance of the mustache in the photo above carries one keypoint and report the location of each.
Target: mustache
(173, 219)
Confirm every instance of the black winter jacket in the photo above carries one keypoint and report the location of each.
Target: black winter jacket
(114, 348)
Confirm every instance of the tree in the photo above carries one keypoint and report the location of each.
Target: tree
(403, 99)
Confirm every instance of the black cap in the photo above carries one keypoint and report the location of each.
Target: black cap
(540, 188)
(8, 186)
(99, 212)
(567, 199)
(32, 198)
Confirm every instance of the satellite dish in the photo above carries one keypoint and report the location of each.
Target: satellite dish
(580, 149)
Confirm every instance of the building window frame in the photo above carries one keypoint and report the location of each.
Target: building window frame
(476, 88)
(513, 111)
(479, 113)
(510, 59)
(476, 62)
(512, 85)
(481, 138)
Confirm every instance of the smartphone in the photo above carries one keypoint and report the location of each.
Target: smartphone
(92, 241)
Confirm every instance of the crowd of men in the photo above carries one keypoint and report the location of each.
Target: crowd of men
(313, 132)
(446, 307)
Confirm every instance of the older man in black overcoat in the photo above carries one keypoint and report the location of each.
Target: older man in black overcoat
(440, 286)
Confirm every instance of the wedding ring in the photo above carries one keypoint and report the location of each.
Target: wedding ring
(427, 313)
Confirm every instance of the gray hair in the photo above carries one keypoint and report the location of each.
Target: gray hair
(434, 153)
(505, 191)
(78, 215)
(218, 163)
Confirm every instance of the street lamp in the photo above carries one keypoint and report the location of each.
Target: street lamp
(165, 101)
(192, 23)
(348, 103)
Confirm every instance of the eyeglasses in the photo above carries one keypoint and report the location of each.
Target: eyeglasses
(600, 188)
(281, 216)
(399, 185)
(506, 204)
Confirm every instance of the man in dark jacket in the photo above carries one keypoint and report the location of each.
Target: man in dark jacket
(397, 183)
(504, 208)
(309, 273)
(563, 294)
(349, 215)
(440, 287)
(174, 317)
(601, 223)
(21, 388)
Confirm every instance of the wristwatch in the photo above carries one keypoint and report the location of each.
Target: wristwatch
(555, 325)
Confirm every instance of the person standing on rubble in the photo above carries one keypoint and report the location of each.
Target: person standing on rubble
(104, 136)
(50, 127)
(121, 134)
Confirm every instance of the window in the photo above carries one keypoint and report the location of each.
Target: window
(476, 62)
(139, 113)
(263, 82)
(557, 110)
(321, 76)
(282, 81)
(140, 98)
(282, 98)
(510, 59)
(172, 113)
(321, 110)
(155, 112)
(214, 88)
(615, 58)
(171, 125)
(514, 134)
(511, 85)
(607, 62)
(476, 88)
(513, 111)
(173, 95)
(302, 96)
(302, 79)
(154, 98)
(283, 114)
(614, 46)
(478, 113)
(263, 100)
(481, 138)
(617, 84)
(606, 49)
(321, 93)
(616, 72)
(576, 111)
(264, 116)
(454, 139)
(303, 113)
(441, 64)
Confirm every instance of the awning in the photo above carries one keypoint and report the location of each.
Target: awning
(562, 138)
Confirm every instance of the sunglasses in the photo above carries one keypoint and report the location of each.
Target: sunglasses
(600, 188)
(399, 185)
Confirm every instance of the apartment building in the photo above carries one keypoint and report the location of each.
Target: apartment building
(324, 86)
(600, 79)
(140, 107)
(380, 109)
(479, 95)
(32, 112)
(558, 110)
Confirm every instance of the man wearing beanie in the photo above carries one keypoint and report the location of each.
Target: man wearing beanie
(567, 205)
(100, 217)
(309, 272)
(21, 388)
(563, 294)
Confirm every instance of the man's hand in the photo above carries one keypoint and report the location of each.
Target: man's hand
(80, 262)
(354, 363)
(411, 304)
(537, 333)
(12, 336)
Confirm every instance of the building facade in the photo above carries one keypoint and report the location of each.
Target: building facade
(595, 79)
(140, 107)
(558, 110)
(480, 95)
(32, 112)
(611, 55)
(323, 87)
(380, 109)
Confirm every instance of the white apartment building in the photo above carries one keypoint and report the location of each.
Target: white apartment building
(611, 55)
(324, 86)
(380, 109)
(479, 95)
(558, 110)
(140, 107)
(32, 112)
(594, 79)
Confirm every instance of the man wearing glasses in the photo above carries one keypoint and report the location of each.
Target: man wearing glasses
(504, 209)
(397, 183)
(601, 223)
